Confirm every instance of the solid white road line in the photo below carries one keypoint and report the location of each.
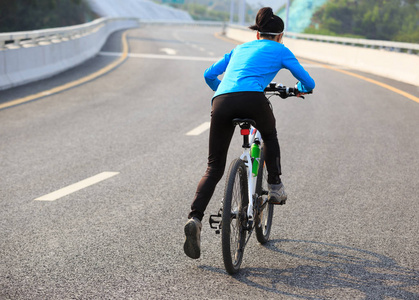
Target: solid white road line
(200, 129)
(77, 186)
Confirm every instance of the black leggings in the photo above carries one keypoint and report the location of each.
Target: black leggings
(250, 105)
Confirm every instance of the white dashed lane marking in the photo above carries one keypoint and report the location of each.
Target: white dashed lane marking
(200, 129)
(77, 186)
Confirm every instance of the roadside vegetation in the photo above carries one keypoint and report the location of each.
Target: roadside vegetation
(394, 20)
(22, 15)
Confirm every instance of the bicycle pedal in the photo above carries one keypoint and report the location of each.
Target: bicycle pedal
(215, 222)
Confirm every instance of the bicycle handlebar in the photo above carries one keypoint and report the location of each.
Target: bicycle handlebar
(283, 91)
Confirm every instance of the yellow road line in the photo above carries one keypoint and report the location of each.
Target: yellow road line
(76, 82)
(386, 86)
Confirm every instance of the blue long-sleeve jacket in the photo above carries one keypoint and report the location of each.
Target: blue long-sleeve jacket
(250, 67)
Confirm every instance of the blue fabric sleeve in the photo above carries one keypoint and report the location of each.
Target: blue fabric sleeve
(302, 88)
(211, 74)
(289, 62)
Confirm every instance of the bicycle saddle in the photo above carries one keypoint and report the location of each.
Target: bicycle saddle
(244, 123)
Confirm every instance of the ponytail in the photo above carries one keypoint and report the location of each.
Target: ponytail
(267, 22)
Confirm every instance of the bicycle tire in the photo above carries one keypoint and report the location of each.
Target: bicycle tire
(264, 225)
(233, 231)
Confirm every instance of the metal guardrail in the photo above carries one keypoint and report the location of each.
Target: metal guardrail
(33, 38)
(375, 44)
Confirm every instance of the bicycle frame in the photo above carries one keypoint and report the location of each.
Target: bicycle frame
(250, 138)
(251, 180)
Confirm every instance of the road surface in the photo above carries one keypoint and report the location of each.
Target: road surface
(117, 151)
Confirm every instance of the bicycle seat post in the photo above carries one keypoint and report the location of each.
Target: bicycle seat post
(245, 133)
(245, 130)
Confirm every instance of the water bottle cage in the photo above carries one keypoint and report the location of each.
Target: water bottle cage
(255, 155)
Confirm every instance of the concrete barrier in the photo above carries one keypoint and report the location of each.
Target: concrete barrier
(25, 61)
(394, 65)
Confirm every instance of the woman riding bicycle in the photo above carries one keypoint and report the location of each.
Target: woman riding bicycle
(248, 68)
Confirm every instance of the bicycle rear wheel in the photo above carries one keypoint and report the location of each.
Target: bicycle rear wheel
(233, 231)
(263, 228)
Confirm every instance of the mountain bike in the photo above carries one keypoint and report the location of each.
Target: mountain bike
(245, 207)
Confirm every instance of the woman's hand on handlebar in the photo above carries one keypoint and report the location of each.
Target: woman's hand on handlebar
(301, 91)
(285, 92)
(301, 94)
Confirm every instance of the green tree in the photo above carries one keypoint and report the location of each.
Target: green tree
(373, 19)
(22, 15)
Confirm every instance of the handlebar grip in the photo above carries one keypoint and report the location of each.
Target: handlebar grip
(296, 91)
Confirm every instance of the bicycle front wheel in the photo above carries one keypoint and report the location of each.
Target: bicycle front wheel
(233, 228)
(263, 228)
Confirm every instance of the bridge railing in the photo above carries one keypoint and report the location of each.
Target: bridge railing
(375, 44)
(33, 38)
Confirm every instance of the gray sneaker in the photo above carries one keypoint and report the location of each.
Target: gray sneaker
(192, 246)
(277, 194)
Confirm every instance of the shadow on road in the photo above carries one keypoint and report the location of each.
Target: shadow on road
(325, 271)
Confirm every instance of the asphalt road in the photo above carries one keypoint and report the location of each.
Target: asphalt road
(350, 166)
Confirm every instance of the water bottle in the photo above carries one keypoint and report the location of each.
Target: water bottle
(255, 154)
